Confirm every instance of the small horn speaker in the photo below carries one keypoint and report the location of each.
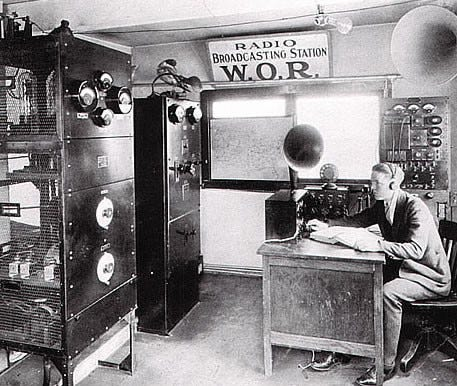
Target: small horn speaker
(303, 148)
(424, 45)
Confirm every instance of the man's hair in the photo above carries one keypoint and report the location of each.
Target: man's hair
(391, 170)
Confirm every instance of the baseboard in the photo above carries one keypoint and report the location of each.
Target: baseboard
(232, 270)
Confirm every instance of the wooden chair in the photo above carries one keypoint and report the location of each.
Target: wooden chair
(438, 325)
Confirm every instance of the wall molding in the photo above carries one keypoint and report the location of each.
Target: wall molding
(232, 270)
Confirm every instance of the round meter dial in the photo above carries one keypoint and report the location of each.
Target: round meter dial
(125, 100)
(194, 114)
(103, 80)
(104, 212)
(87, 96)
(328, 173)
(103, 117)
(105, 267)
(176, 113)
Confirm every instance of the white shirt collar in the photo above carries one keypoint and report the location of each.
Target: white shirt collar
(390, 206)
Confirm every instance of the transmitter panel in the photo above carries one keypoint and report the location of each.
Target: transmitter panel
(415, 136)
(325, 204)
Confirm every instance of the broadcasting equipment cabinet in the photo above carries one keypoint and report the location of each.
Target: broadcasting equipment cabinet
(67, 221)
(167, 163)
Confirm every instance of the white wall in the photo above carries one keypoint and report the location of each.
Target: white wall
(233, 221)
(233, 226)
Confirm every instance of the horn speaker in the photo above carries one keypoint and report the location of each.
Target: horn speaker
(303, 148)
(424, 45)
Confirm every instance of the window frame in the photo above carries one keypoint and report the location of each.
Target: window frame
(290, 93)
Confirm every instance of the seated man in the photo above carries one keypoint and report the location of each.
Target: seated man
(416, 265)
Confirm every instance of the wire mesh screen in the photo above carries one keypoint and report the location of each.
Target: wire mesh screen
(30, 204)
(28, 90)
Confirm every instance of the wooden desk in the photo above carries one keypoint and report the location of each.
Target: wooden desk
(322, 297)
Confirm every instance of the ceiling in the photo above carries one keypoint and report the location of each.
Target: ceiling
(148, 22)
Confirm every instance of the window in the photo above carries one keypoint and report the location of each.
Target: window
(243, 133)
(349, 125)
(245, 139)
(248, 108)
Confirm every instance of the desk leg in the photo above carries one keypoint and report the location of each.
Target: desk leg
(267, 351)
(378, 323)
(268, 359)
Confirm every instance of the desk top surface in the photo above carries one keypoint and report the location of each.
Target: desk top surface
(311, 249)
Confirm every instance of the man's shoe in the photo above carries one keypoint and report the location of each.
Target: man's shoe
(369, 378)
(329, 361)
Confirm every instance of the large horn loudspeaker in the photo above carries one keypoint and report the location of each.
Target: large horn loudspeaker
(424, 45)
(303, 148)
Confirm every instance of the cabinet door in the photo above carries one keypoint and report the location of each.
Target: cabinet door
(183, 259)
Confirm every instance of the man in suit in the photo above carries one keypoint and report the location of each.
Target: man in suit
(416, 267)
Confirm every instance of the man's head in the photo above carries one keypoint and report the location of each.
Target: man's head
(385, 179)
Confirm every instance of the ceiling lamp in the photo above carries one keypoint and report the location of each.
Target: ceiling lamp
(342, 25)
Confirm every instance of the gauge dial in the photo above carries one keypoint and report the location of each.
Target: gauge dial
(194, 114)
(87, 96)
(176, 113)
(103, 80)
(329, 173)
(125, 100)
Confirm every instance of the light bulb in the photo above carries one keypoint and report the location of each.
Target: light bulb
(344, 25)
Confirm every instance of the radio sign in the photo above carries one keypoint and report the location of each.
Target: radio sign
(270, 57)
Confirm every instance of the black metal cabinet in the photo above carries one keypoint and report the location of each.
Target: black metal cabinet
(167, 174)
(67, 231)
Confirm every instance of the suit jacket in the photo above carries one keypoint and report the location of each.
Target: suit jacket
(413, 238)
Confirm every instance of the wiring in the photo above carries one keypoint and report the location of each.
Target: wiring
(41, 29)
(297, 233)
(401, 133)
(301, 367)
(177, 78)
(392, 158)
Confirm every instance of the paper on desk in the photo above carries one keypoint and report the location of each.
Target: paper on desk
(344, 235)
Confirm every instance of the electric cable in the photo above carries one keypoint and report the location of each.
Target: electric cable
(393, 143)
(297, 233)
(301, 367)
(178, 79)
(36, 25)
(401, 133)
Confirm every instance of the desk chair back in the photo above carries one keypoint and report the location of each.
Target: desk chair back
(448, 233)
(438, 326)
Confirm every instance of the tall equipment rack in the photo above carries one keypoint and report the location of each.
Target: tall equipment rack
(167, 172)
(67, 232)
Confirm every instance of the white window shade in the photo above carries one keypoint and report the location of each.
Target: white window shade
(349, 125)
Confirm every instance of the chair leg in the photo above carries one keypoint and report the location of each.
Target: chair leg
(413, 351)
(46, 371)
(448, 346)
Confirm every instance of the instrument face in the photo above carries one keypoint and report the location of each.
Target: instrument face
(328, 173)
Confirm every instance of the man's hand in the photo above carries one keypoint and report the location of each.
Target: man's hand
(316, 225)
(368, 245)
